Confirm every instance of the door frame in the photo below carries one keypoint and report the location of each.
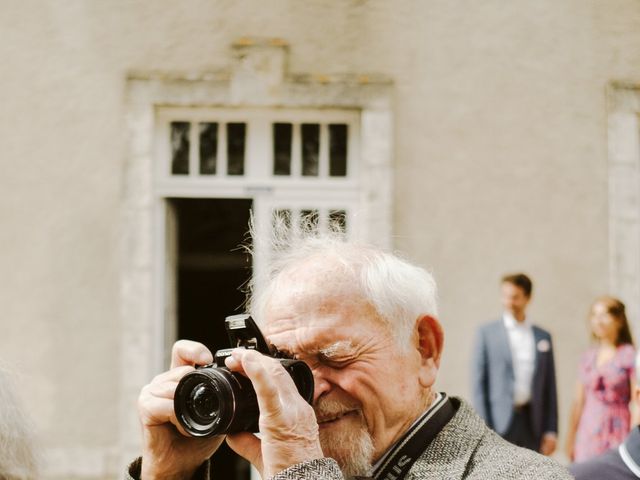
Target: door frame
(143, 241)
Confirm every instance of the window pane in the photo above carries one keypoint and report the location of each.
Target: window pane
(338, 221)
(309, 220)
(282, 148)
(208, 148)
(338, 150)
(310, 148)
(180, 148)
(235, 148)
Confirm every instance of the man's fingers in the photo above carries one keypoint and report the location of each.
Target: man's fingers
(163, 390)
(270, 380)
(173, 375)
(156, 410)
(155, 402)
(288, 427)
(249, 446)
(188, 352)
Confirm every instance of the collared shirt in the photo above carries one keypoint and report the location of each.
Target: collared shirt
(523, 353)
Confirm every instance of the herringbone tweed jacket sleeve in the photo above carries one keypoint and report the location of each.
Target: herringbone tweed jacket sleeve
(465, 449)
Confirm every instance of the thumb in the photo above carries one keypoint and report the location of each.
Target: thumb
(248, 446)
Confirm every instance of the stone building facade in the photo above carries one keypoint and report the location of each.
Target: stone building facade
(476, 138)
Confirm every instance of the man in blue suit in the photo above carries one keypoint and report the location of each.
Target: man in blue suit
(513, 372)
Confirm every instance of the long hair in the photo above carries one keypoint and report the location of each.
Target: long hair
(17, 451)
(617, 310)
(399, 291)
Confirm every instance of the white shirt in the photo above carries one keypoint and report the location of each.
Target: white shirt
(523, 354)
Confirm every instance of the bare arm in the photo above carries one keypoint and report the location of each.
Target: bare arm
(633, 406)
(574, 419)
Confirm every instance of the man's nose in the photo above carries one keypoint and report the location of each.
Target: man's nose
(321, 384)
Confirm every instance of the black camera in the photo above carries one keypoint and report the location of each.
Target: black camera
(212, 400)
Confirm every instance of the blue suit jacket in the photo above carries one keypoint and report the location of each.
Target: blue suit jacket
(493, 380)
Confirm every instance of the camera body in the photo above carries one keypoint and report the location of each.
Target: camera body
(212, 400)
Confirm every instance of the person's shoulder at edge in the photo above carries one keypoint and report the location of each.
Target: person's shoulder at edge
(606, 465)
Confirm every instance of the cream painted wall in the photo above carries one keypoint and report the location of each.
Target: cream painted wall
(501, 155)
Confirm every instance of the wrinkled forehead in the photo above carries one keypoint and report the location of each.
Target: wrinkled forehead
(319, 279)
(317, 287)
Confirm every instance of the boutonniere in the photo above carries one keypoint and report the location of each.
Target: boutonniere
(544, 345)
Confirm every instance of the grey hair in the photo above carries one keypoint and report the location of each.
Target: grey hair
(18, 460)
(399, 291)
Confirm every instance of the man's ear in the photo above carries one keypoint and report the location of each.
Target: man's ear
(430, 343)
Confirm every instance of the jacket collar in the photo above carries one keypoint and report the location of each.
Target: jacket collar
(450, 452)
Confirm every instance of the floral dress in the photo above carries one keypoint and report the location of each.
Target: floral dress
(604, 422)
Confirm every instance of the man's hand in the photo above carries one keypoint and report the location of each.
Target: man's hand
(167, 453)
(288, 426)
(548, 444)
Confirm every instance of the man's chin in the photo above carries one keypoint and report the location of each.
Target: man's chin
(348, 442)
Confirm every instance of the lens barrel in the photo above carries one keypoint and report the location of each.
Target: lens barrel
(213, 400)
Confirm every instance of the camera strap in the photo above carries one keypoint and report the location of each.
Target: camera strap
(398, 461)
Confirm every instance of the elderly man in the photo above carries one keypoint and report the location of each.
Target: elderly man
(365, 322)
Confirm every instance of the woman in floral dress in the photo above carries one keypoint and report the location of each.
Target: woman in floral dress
(600, 414)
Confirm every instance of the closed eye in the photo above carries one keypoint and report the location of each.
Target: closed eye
(335, 362)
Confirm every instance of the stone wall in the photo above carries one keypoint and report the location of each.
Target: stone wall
(504, 152)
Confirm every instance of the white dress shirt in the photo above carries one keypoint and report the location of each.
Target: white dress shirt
(523, 354)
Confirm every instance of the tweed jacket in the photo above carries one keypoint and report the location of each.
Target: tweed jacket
(464, 449)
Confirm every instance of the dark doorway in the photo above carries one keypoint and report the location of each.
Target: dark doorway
(211, 269)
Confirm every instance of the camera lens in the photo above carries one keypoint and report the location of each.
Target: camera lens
(206, 401)
(214, 400)
(203, 403)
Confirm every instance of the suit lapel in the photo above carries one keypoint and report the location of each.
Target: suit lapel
(502, 343)
(537, 338)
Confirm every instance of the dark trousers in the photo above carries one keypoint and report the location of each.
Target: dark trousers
(520, 432)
